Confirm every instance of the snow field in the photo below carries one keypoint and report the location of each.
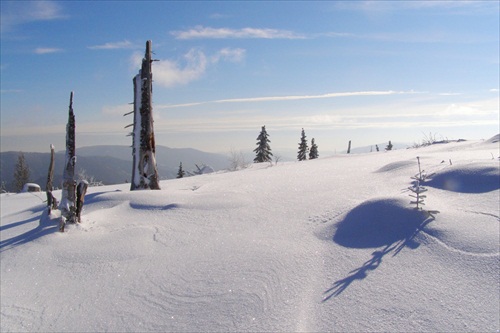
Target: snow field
(323, 245)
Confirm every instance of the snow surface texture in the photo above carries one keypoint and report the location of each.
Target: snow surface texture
(324, 245)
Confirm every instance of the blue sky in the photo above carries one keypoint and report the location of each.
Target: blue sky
(366, 71)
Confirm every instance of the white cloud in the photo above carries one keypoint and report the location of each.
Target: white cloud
(200, 32)
(494, 90)
(15, 13)
(169, 73)
(113, 46)
(47, 50)
(296, 97)
(229, 54)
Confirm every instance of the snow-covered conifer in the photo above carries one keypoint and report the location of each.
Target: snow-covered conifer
(181, 172)
(303, 148)
(313, 153)
(21, 173)
(263, 150)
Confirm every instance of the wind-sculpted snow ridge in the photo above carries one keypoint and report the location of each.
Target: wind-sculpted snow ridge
(323, 245)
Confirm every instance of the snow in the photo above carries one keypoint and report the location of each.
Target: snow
(330, 244)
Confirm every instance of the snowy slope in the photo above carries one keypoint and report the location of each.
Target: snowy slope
(323, 245)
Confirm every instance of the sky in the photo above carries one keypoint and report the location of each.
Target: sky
(365, 71)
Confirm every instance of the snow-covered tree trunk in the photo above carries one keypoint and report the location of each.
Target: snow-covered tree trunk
(68, 196)
(51, 201)
(144, 173)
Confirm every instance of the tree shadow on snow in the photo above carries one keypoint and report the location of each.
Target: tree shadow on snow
(385, 224)
(32, 210)
(47, 225)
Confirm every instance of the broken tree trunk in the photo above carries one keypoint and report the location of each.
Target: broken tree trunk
(144, 173)
(67, 205)
(81, 190)
(51, 200)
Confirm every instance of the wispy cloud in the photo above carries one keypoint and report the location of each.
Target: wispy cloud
(494, 90)
(113, 46)
(451, 6)
(11, 91)
(295, 97)
(193, 65)
(47, 50)
(200, 32)
(169, 73)
(230, 54)
(15, 13)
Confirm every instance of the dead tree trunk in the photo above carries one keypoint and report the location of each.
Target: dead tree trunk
(51, 200)
(81, 190)
(67, 205)
(144, 173)
(349, 147)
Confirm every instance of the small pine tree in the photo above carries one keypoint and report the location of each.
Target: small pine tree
(313, 153)
(263, 150)
(21, 173)
(389, 146)
(417, 189)
(303, 148)
(180, 173)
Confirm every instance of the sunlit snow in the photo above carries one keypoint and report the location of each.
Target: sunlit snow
(331, 244)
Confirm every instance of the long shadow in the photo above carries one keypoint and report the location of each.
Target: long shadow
(384, 224)
(91, 197)
(46, 226)
(32, 210)
(153, 207)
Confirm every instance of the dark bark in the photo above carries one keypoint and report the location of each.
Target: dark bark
(51, 200)
(144, 150)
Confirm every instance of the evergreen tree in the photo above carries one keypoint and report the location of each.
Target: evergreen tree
(376, 146)
(263, 150)
(389, 146)
(303, 149)
(21, 173)
(313, 153)
(181, 172)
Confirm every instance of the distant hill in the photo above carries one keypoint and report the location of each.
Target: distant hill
(108, 164)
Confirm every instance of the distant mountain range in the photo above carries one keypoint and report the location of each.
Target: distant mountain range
(108, 164)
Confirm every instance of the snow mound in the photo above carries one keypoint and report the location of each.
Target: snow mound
(380, 222)
(493, 139)
(469, 178)
(396, 165)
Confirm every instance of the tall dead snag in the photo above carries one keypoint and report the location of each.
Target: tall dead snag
(67, 205)
(51, 200)
(144, 172)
